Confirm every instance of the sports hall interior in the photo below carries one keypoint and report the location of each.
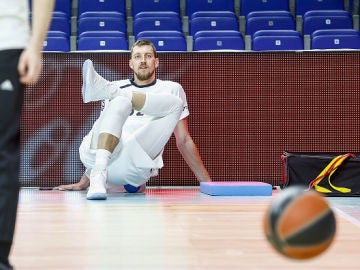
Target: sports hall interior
(261, 77)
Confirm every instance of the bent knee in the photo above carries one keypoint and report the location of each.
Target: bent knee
(119, 106)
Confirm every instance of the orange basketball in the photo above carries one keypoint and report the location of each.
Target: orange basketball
(299, 224)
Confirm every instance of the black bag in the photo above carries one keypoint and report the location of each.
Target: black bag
(332, 174)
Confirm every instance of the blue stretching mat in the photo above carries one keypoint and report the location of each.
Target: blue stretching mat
(239, 188)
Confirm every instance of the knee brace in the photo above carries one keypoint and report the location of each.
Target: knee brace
(114, 116)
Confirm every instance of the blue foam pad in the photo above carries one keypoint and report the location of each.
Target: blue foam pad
(242, 188)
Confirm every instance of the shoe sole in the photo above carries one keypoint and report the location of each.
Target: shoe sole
(96, 196)
(85, 71)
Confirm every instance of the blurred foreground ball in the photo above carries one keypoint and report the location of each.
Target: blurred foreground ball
(300, 224)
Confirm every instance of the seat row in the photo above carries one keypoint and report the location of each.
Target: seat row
(109, 30)
(188, 7)
(319, 40)
(262, 40)
(203, 20)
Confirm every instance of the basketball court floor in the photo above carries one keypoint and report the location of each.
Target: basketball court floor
(165, 228)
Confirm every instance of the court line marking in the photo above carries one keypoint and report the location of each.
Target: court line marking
(347, 216)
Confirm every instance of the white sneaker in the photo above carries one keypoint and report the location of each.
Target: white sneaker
(97, 189)
(94, 86)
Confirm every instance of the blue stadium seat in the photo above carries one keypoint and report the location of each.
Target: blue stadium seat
(278, 33)
(213, 23)
(217, 14)
(102, 40)
(60, 23)
(217, 33)
(105, 14)
(277, 43)
(206, 5)
(336, 42)
(254, 24)
(347, 32)
(221, 42)
(167, 43)
(101, 5)
(155, 5)
(57, 41)
(165, 40)
(335, 39)
(247, 6)
(63, 6)
(302, 6)
(60, 14)
(56, 34)
(101, 21)
(272, 13)
(315, 20)
(330, 12)
(145, 14)
(102, 34)
(156, 24)
(144, 34)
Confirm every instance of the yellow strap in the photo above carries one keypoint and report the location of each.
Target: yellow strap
(329, 170)
(322, 189)
(322, 174)
(337, 165)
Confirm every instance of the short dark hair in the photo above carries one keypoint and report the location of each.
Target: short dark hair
(143, 42)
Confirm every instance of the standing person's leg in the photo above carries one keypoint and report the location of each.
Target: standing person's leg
(11, 99)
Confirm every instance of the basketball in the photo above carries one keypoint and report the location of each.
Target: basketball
(299, 224)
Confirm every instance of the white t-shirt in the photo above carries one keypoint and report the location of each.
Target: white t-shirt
(136, 119)
(14, 24)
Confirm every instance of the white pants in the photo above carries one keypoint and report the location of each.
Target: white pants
(125, 166)
(133, 161)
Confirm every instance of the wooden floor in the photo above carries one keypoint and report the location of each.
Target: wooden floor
(163, 229)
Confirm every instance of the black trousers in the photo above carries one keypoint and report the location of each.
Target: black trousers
(11, 99)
